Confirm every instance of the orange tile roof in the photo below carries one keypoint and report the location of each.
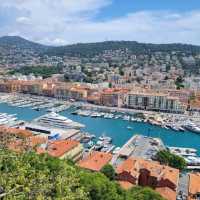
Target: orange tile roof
(95, 161)
(194, 185)
(35, 140)
(129, 166)
(19, 145)
(20, 132)
(115, 90)
(125, 184)
(167, 193)
(133, 166)
(15, 146)
(59, 148)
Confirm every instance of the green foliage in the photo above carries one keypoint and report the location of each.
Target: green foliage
(108, 171)
(121, 72)
(168, 67)
(29, 176)
(138, 193)
(44, 71)
(179, 82)
(92, 49)
(167, 158)
(100, 188)
(40, 177)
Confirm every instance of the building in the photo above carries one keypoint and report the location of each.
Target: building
(78, 93)
(155, 102)
(48, 89)
(113, 97)
(68, 91)
(183, 95)
(19, 140)
(10, 86)
(95, 161)
(194, 187)
(136, 171)
(49, 131)
(194, 105)
(8, 135)
(30, 143)
(63, 149)
(31, 87)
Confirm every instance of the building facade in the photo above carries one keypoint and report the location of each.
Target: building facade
(154, 102)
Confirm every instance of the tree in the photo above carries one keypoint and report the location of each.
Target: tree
(66, 77)
(167, 158)
(30, 176)
(179, 82)
(108, 171)
(121, 72)
(166, 78)
(138, 193)
(40, 177)
(168, 67)
(99, 187)
(45, 71)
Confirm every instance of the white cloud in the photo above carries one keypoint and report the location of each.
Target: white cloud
(59, 22)
(23, 20)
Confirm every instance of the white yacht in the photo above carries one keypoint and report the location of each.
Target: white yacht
(54, 119)
(192, 127)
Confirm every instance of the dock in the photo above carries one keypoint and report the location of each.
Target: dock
(141, 146)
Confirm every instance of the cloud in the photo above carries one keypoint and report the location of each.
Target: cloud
(59, 22)
(23, 20)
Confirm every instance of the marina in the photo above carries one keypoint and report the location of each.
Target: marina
(167, 121)
(34, 102)
(117, 125)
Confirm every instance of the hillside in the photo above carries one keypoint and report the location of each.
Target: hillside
(19, 43)
(92, 49)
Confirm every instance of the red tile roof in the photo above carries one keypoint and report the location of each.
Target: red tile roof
(19, 145)
(133, 166)
(19, 132)
(59, 148)
(167, 193)
(95, 161)
(194, 185)
(125, 184)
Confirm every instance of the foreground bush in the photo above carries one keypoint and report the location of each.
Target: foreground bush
(40, 177)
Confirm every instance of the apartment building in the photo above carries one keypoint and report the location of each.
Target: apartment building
(31, 87)
(70, 92)
(154, 101)
(113, 97)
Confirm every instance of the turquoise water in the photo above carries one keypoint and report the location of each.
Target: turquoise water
(117, 129)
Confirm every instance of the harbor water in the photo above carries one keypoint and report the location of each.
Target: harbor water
(115, 128)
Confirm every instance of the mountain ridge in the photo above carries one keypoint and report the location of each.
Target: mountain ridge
(91, 49)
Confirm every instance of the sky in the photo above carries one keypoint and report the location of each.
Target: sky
(61, 22)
